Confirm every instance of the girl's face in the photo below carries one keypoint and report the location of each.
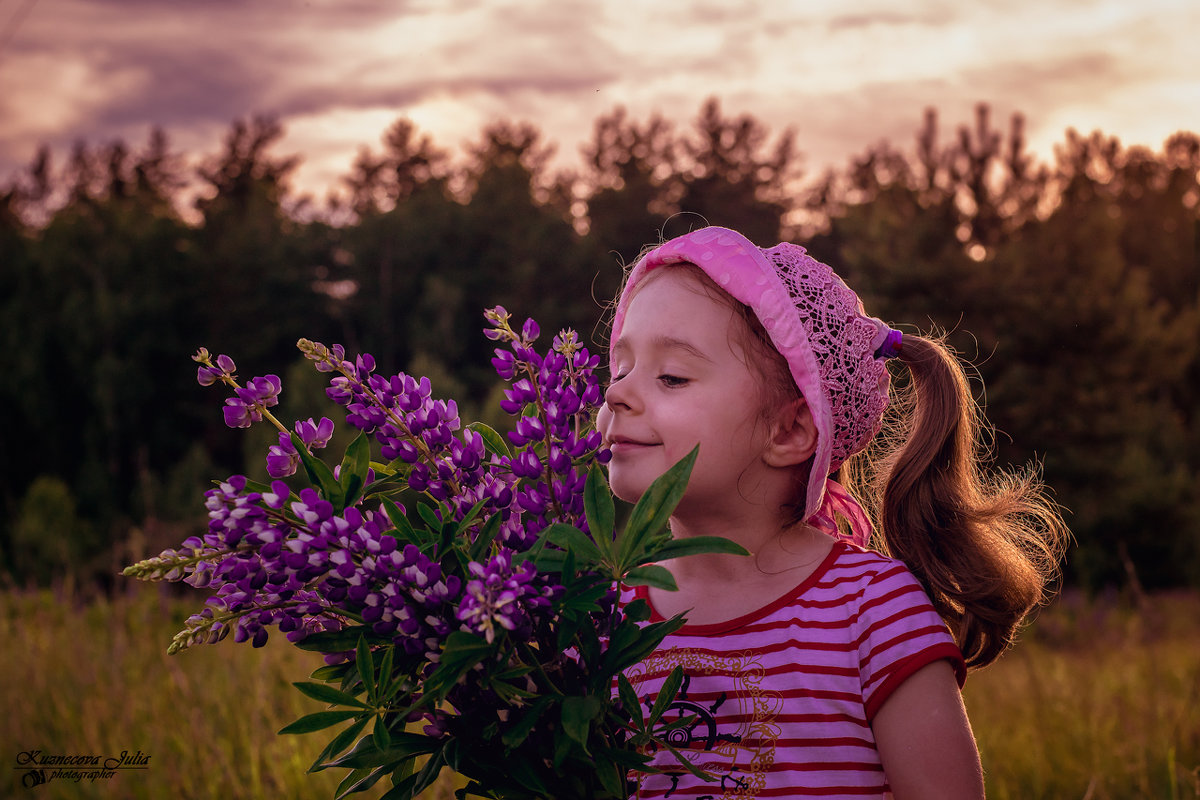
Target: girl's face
(680, 378)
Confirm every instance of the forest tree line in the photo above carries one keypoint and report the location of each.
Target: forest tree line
(1072, 287)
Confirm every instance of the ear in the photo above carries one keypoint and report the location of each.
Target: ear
(793, 437)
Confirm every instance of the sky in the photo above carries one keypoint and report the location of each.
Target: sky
(843, 74)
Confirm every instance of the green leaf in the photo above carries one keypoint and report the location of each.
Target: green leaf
(430, 516)
(493, 442)
(577, 715)
(651, 575)
(629, 699)
(355, 465)
(549, 561)
(402, 790)
(521, 729)
(358, 780)
(339, 641)
(689, 766)
(695, 545)
(430, 771)
(461, 652)
(388, 685)
(329, 673)
(666, 696)
(598, 506)
(637, 610)
(327, 694)
(483, 541)
(571, 538)
(654, 509)
(366, 667)
(403, 527)
(403, 746)
(319, 474)
(381, 735)
(318, 721)
(339, 743)
(612, 778)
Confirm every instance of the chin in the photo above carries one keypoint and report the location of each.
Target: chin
(625, 488)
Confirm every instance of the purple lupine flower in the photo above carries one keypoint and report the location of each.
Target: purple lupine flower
(207, 373)
(282, 458)
(500, 596)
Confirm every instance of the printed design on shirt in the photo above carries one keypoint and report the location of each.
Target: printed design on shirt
(735, 730)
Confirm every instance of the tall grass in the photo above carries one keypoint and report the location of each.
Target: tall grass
(1099, 702)
(95, 679)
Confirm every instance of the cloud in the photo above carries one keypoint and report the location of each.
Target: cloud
(337, 72)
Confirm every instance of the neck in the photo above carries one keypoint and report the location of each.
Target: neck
(764, 533)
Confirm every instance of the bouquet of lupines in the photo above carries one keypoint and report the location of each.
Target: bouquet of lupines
(462, 585)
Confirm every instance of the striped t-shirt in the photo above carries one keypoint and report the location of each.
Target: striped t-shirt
(783, 697)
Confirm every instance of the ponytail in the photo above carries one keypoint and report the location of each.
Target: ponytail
(984, 545)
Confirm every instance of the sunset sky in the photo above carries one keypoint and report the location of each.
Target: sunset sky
(843, 74)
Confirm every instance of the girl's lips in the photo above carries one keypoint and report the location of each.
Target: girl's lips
(621, 445)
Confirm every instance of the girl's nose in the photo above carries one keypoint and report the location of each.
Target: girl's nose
(620, 394)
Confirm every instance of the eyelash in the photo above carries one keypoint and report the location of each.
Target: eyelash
(670, 381)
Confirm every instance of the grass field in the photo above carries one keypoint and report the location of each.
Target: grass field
(1099, 701)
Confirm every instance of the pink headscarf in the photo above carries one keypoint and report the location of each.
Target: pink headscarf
(834, 351)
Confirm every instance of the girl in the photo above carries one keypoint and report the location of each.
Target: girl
(818, 667)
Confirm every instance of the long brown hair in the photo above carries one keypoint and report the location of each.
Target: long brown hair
(985, 544)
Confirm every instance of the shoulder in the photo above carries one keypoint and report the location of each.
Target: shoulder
(867, 580)
(897, 630)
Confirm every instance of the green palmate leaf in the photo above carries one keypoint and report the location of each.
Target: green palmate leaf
(546, 560)
(461, 653)
(688, 765)
(651, 575)
(339, 743)
(359, 780)
(666, 696)
(404, 529)
(318, 721)
(426, 512)
(653, 510)
(483, 540)
(366, 754)
(637, 610)
(612, 778)
(629, 701)
(521, 729)
(402, 790)
(355, 465)
(578, 712)
(493, 442)
(366, 667)
(631, 643)
(327, 694)
(320, 474)
(429, 773)
(678, 548)
(388, 685)
(381, 735)
(568, 537)
(469, 519)
(341, 640)
(329, 673)
(599, 507)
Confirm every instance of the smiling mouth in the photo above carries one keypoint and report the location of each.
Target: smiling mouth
(620, 445)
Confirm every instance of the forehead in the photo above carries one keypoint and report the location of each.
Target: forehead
(674, 305)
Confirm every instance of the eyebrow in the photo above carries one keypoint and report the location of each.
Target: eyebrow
(664, 342)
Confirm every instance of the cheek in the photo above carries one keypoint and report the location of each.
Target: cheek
(603, 419)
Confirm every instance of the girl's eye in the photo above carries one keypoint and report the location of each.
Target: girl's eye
(672, 381)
